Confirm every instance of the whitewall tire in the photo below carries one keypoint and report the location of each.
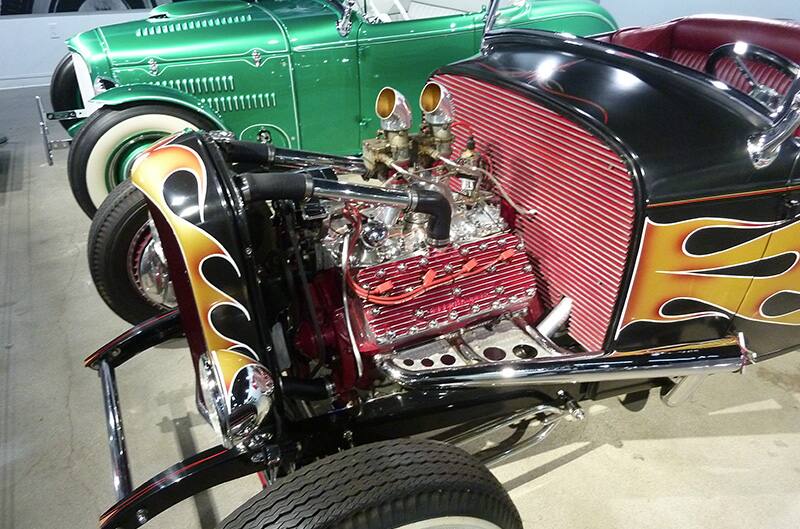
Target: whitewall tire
(104, 148)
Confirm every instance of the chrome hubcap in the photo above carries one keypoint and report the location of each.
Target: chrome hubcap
(147, 268)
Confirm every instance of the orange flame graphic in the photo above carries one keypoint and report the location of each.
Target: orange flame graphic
(666, 271)
(149, 174)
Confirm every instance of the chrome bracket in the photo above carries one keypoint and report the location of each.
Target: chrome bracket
(50, 145)
(61, 115)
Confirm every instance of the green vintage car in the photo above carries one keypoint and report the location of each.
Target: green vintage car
(297, 73)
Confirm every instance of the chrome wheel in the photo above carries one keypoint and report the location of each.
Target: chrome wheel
(147, 268)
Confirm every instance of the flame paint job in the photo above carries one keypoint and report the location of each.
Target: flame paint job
(197, 246)
(174, 176)
(667, 272)
(228, 364)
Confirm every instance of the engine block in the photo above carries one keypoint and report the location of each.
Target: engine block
(476, 281)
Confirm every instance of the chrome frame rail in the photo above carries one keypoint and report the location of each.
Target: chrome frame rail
(546, 415)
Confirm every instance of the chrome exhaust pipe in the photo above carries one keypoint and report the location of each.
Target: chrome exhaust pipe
(555, 318)
(705, 358)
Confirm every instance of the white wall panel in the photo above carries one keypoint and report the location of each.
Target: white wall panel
(31, 46)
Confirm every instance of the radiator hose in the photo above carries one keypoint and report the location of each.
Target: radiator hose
(268, 155)
(322, 183)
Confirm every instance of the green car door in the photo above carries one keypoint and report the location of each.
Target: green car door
(397, 53)
(324, 66)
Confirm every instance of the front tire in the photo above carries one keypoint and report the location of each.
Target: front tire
(106, 145)
(64, 91)
(120, 254)
(391, 485)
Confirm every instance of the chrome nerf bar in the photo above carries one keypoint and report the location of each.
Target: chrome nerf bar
(120, 471)
(704, 358)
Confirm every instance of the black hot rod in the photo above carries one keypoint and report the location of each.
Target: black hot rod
(576, 219)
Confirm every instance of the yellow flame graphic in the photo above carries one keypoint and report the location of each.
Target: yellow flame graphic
(229, 364)
(667, 271)
(149, 174)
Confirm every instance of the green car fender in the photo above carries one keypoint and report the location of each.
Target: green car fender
(145, 93)
(105, 149)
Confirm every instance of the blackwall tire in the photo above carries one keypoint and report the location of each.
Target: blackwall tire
(64, 91)
(116, 231)
(109, 140)
(390, 485)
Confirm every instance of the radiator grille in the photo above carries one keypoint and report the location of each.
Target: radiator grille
(582, 191)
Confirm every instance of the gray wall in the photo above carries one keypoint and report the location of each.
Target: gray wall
(30, 46)
(644, 12)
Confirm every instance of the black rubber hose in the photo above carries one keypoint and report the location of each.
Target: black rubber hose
(315, 389)
(437, 206)
(261, 187)
(248, 152)
(267, 155)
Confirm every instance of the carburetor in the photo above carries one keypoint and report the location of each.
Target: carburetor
(395, 148)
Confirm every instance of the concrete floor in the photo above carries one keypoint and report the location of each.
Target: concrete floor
(728, 459)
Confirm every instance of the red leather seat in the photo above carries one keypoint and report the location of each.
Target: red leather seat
(690, 40)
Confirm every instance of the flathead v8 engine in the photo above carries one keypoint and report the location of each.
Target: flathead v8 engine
(394, 285)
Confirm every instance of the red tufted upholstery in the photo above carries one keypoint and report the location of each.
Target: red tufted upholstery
(690, 40)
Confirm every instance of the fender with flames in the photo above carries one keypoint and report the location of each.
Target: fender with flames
(205, 248)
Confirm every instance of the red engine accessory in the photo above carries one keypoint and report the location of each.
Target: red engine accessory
(406, 300)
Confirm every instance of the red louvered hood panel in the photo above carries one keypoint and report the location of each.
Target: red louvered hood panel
(582, 191)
